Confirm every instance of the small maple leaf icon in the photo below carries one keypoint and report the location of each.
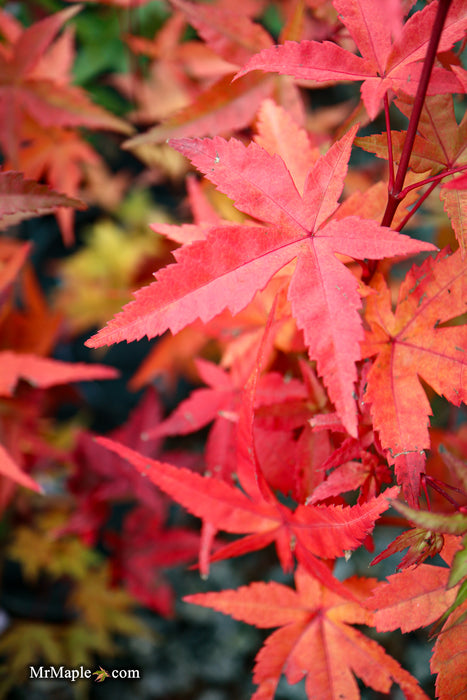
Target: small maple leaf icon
(100, 675)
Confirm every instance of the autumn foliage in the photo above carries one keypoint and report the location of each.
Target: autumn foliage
(314, 300)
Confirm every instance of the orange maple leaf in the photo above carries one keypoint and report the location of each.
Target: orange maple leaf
(315, 639)
(415, 342)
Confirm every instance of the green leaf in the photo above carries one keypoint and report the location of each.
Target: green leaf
(453, 524)
(459, 565)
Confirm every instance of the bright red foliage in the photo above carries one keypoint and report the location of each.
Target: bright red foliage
(322, 355)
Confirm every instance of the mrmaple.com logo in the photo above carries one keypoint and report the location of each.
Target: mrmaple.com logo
(75, 674)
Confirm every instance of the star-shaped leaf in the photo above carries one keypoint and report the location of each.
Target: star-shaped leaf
(233, 262)
(315, 639)
(385, 62)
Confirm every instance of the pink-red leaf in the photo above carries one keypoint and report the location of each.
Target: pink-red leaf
(45, 372)
(384, 64)
(24, 199)
(10, 469)
(233, 262)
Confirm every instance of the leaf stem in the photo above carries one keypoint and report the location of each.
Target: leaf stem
(434, 182)
(394, 194)
(436, 486)
(416, 206)
(389, 137)
(425, 491)
(435, 179)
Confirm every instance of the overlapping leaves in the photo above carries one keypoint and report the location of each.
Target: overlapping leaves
(233, 262)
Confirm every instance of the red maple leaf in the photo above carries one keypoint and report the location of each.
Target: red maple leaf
(41, 372)
(391, 54)
(412, 598)
(57, 155)
(449, 658)
(101, 477)
(46, 372)
(22, 199)
(147, 546)
(233, 262)
(220, 402)
(368, 475)
(416, 598)
(28, 88)
(309, 531)
(315, 639)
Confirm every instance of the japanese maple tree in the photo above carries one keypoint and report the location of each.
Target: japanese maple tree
(320, 349)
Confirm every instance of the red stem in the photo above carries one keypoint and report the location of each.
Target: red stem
(432, 479)
(416, 206)
(389, 136)
(435, 179)
(394, 195)
(425, 491)
(434, 485)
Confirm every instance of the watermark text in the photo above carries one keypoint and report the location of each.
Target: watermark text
(76, 674)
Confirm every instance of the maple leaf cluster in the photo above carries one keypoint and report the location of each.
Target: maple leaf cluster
(41, 111)
(319, 351)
